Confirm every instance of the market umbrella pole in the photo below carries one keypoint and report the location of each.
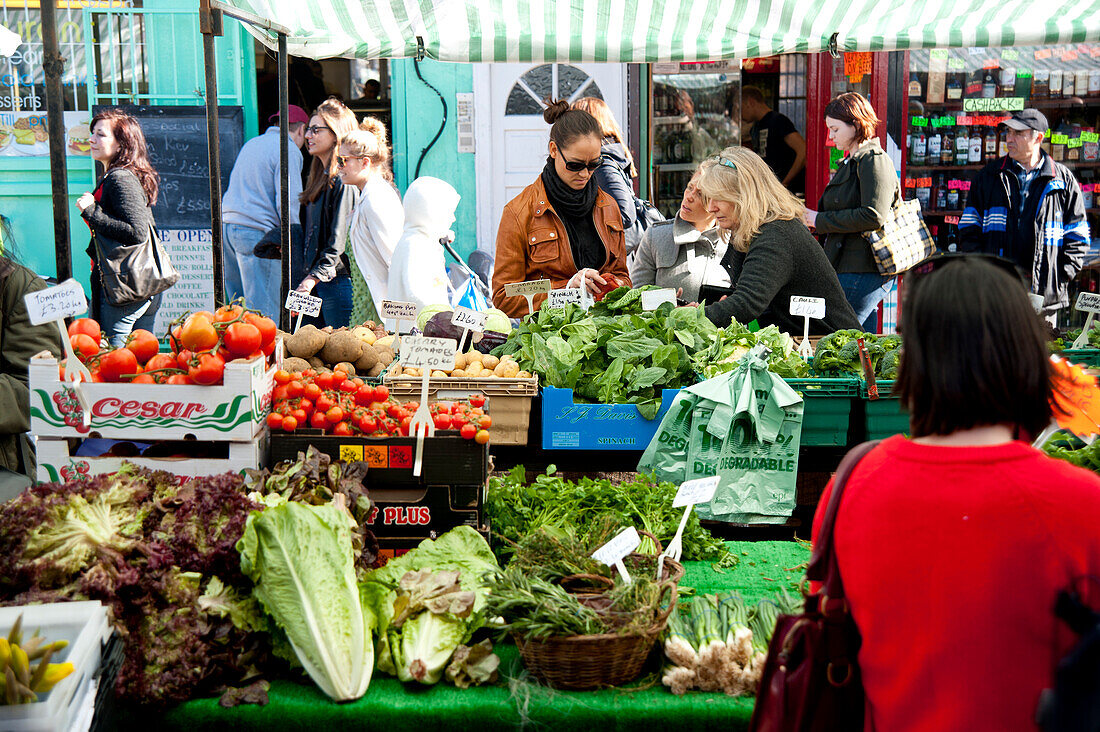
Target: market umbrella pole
(210, 25)
(284, 177)
(52, 65)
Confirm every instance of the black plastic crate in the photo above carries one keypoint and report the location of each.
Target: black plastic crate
(110, 663)
(448, 460)
(402, 517)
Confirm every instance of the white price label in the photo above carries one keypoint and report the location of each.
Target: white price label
(301, 302)
(613, 551)
(533, 287)
(563, 297)
(398, 310)
(1088, 302)
(419, 352)
(469, 319)
(807, 307)
(55, 303)
(692, 492)
(653, 299)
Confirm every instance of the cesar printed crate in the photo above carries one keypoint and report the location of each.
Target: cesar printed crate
(58, 459)
(448, 458)
(234, 410)
(509, 401)
(567, 425)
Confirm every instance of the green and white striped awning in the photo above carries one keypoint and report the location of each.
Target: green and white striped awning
(636, 31)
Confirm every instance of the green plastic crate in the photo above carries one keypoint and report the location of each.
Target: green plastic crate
(883, 417)
(1089, 357)
(827, 409)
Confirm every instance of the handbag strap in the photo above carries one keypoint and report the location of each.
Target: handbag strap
(823, 566)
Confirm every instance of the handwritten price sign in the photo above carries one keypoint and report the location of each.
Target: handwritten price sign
(808, 307)
(419, 352)
(304, 303)
(398, 310)
(692, 492)
(469, 319)
(56, 303)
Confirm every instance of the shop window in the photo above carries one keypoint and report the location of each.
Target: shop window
(549, 81)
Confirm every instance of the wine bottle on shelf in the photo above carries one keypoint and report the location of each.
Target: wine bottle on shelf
(962, 145)
(919, 152)
(947, 147)
(975, 151)
(941, 192)
(954, 88)
(990, 144)
(1008, 81)
(952, 198)
(952, 238)
(989, 84)
(935, 141)
(915, 91)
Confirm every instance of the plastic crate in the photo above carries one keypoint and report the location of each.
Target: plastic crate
(567, 425)
(827, 409)
(883, 417)
(84, 625)
(1089, 357)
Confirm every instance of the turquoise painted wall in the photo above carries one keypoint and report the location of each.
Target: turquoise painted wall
(175, 67)
(417, 113)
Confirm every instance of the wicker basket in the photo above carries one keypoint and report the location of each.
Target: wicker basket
(583, 662)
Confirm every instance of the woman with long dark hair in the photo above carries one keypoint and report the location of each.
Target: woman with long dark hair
(321, 268)
(120, 214)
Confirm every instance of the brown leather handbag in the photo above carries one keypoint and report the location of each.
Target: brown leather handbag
(811, 681)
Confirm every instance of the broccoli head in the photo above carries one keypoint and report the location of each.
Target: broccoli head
(888, 365)
(830, 356)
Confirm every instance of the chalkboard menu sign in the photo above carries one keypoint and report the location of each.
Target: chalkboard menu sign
(177, 142)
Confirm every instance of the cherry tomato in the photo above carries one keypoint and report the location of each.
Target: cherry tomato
(300, 415)
(324, 380)
(274, 420)
(265, 325)
(477, 400)
(485, 422)
(317, 421)
(395, 411)
(305, 404)
(198, 334)
(242, 339)
(312, 391)
(334, 415)
(179, 379)
(290, 423)
(294, 389)
(342, 429)
(443, 421)
(481, 437)
(227, 313)
(278, 394)
(364, 395)
(468, 431)
(347, 386)
(357, 381)
(86, 326)
(183, 358)
(83, 346)
(381, 393)
(458, 421)
(324, 403)
(338, 377)
(143, 379)
(368, 424)
(117, 364)
(207, 369)
(143, 344)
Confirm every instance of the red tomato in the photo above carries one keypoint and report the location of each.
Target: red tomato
(265, 325)
(279, 394)
(368, 424)
(174, 341)
(364, 395)
(324, 380)
(294, 389)
(334, 415)
(290, 423)
(324, 403)
(115, 365)
(485, 422)
(242, 339)
(317, 421)
(481, 437)
(183, 357)
(395, 411)
(305, 404)
(477, 400)
(343, 429)
(357, 381)
(300, 415)
(143, 379)
(312, 391)
(442, 421)
(179, 379)
(228, 313)
(198, 334)
(338, 377)
(348, 386)
(274, 420)
(83, 346)
(468, 431)
(86, 326)
(161, 361)
(282, 376)
(144, 344)
(207, 369)
(381, 393)
(458, 421)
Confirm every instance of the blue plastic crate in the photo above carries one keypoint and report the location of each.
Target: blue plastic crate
(570, 426)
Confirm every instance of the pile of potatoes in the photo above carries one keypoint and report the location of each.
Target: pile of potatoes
(472, 365)
(365, 350)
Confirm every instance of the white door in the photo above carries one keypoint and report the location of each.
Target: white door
(511, 134)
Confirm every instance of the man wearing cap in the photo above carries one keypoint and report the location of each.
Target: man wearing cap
(1028, 208)
(250, 209)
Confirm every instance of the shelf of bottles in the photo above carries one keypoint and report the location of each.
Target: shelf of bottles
(694, 108)
(957, 99)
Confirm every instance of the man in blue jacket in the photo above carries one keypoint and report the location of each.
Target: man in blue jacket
(1029, 209)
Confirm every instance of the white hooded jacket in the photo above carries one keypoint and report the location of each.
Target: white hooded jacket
(418, 272)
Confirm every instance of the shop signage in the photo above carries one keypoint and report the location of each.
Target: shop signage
(56, 303)
(996, 104)
(528, 290)
(808, 307)
(303, 303)
(468, 320)
(575, 295)
(1088, 302)
(420, 352)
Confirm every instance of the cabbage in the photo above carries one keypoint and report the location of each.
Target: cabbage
(300, 558)
(498, 320)
(427, 312)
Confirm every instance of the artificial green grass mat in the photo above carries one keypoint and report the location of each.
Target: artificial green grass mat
(516, 701)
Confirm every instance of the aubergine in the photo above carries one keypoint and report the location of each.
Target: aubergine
(489, 340)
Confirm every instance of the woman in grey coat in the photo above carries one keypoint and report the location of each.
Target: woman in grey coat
(684, 253)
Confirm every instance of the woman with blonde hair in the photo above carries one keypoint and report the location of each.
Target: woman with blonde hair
(322, 266)
(771, 255)
(856, 201)
(363, 159)
(616, 172)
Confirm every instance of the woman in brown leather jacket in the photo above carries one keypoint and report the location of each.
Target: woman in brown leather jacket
(562, 227)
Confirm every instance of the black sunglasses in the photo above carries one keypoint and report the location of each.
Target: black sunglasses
(576, 166)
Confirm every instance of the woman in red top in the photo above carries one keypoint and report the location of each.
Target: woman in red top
(953, 543)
